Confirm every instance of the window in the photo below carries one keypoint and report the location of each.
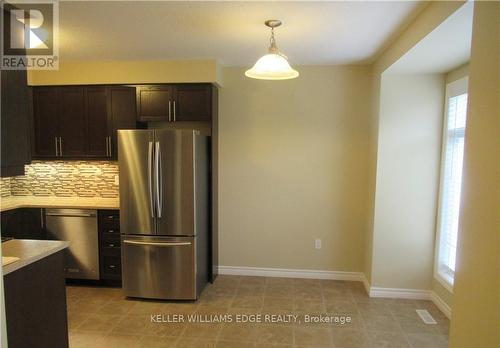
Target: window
(451, 180)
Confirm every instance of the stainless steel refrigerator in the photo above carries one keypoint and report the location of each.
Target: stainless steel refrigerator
(164, 212)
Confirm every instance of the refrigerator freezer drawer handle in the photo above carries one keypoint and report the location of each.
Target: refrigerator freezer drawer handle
(150, 179)
(158, 244)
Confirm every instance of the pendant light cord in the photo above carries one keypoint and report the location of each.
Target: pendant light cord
(272, 42)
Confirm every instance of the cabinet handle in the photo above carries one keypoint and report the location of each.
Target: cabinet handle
(169, 110)
(111, 245)
(112, 266)
(111, 231)
(107, 147)
(174, 111)
(55, 140)
(110, 148)
(60, 146)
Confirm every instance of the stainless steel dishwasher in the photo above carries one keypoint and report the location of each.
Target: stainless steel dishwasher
(79, 227)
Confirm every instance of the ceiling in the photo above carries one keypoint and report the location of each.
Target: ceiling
(443, 49)
(349, 32)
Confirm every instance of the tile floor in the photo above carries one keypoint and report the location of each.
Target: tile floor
(101, 317)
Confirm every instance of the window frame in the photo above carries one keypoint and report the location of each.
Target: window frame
(453, 89)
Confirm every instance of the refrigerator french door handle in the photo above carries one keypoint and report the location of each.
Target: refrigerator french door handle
(158, 180)
(150, 178)
(160, 244)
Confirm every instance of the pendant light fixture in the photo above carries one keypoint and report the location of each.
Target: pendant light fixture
(274, 65)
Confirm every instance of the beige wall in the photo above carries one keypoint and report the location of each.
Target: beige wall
(293, 167)
(476, 302)
(430, 17)
(409, 148)
(123, 72)
(457, 73)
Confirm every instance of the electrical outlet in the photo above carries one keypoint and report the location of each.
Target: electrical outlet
(116, 180)
(317, 243)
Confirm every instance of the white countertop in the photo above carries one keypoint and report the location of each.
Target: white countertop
(29, 251)
(14, 202)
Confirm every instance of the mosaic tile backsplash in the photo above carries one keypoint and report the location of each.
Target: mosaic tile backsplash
(66, 179)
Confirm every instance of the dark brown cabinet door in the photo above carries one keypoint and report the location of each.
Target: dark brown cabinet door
(154, 103)
(72, 122)
(15, 115)
(193, 103)
(122, 112)
(46, 122)
(98, 122)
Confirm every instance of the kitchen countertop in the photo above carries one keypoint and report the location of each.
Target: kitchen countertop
(29, 251)
(14, 202)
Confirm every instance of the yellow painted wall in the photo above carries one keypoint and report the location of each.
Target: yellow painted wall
(476, 302)
(126, 72)
(429, 18)
(408, 156)
(293, 167)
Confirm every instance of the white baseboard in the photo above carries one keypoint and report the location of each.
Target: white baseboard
(291, 273)
(443, 306)
(412, 294)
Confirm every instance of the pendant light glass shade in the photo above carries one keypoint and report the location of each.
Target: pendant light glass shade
(274, 65)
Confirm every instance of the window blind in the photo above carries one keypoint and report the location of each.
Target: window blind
(451, 182)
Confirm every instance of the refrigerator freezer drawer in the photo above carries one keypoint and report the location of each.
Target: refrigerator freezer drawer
(159, 267)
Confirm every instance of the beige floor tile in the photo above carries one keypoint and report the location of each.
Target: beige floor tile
(202, 330)
(186, 342)
(308, 293)
(139, 325)
(85, 339)
(157, 342)
(309, 336)
(416, 326)
(253, 281)
(248, 302)
(304, 282)
(349, 338)
(214, 300)
(99, 323)
(272, 281)
(75, 319)
(239, 332)
(385, 323)
(275, 334)
(251, 290)
(368, 308)
(234, 344)
(307, 305)
(341, 307)
(284, 291)
(116, 307)
(87, 305)
(121, 341)
(271, 303)
(387, 340)
(144, 308)
(427, 341)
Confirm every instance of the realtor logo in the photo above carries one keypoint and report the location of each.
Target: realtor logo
(30, 35)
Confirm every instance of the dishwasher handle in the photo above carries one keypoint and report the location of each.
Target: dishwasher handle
(70, 214)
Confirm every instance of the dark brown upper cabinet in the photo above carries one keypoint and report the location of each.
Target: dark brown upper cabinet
(45, 140)
(98, 122)
(174, 103)
(122, 113)
(154, 103)
(15, 122)
(193, 103)
(80, 122)
(73, 123)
